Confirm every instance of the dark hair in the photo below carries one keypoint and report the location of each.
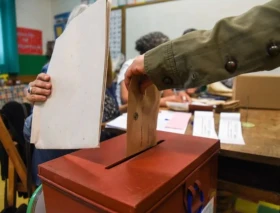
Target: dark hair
(188, 31)
(50, 47)
(150, 41)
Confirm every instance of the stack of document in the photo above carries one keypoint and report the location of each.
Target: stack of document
(230, 130)
(168, 121)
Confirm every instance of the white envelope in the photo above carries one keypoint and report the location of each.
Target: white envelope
(71, 117)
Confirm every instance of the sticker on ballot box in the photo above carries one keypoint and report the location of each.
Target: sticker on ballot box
(209, 208)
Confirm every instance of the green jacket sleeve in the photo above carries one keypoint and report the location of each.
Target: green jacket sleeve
(236, 45)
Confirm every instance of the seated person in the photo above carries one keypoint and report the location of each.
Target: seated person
(50, 46)
(40, 91)
(144, 44)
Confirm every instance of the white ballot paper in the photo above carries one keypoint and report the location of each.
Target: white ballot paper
(71, 117)
(204, 125)
(230, 130)
(209, 208)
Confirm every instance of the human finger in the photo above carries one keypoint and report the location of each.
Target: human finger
(36, 98)
(43, 77)
(41, 84)
(40, 91)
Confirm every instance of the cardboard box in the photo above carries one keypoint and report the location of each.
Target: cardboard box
(258, 90)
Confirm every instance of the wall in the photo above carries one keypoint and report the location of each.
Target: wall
(172, 18)
(62, 6)
(39, 14)
(36, 14)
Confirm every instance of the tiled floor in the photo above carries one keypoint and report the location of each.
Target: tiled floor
(2, 187)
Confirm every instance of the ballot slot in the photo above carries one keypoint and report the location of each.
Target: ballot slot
(132, 156)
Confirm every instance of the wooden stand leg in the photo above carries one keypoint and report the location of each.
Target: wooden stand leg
(10, 148)
(11, 195)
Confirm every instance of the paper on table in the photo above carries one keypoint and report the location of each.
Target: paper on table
(199, 103)
(179, 121)
(164, 117)
(71, 117)
(183, 106)
(230, 130)
(204, 125)
(230, 116)
(118, 123)
(177, 106)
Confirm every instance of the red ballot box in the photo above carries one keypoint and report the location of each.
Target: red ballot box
(178, 175)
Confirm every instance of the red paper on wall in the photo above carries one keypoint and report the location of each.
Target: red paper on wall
(29, 41)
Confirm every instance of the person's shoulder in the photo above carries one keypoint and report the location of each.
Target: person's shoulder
(123, 70)
(129, 62)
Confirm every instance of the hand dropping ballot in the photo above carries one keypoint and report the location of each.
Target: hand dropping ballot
(71, 117)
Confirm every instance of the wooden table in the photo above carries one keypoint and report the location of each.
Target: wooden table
(257, 163)
(251, 171)
(262, 141)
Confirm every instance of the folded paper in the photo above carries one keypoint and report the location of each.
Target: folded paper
(204, 125)
(230, 130)
(142, 117)
(71, 117)
(179, 120)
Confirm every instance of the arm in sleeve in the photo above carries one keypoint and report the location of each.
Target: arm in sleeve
(27, 128)
(236, 45)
